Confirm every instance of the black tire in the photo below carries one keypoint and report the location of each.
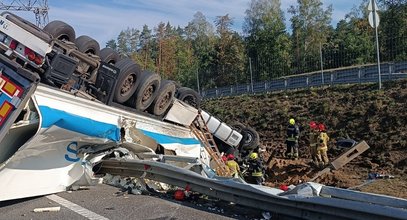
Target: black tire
(146, 91)
(60, 30)
(237, 126)
(109, 55)
(127, 81)
(250, 138)
(87, 45)
(164, 98)
(189, 96)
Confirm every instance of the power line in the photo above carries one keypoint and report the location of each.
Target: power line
(39, 7)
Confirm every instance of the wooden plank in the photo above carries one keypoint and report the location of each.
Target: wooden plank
(350, 155)
(320, 173)
(344, 158)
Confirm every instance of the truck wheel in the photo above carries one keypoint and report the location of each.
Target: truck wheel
(109, 55)
(60, 30)
(146, 91)
(127, 81)
(250, 138)
(87, 45)
(189, 96)
(238, 126)
(164, 98)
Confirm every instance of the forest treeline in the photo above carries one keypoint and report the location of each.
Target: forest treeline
(211, 55)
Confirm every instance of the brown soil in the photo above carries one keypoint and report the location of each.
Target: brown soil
(361, 112)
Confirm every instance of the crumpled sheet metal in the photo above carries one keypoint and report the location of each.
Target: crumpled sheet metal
(309, 189)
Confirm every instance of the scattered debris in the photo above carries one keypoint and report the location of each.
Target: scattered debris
(284, 187)
(266, 215)
(372, 176)
(48, 209)
(179, 195)
(126, 184)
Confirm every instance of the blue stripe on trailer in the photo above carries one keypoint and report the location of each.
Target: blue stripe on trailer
(166, 139)
(94, 128)
(78, 124)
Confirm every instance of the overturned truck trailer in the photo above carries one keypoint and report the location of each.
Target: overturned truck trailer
(55, 132)
(64, 101)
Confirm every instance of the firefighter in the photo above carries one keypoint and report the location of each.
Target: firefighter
(255, 169)
(322, 148)
(234, 168)
(313, 141)
(293, 133)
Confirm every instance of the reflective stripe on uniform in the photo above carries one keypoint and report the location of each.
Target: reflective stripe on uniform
(257, 174)
(291, 139)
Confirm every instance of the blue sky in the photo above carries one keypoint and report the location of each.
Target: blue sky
(104, 19)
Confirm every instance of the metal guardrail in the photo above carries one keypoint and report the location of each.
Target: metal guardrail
(351, 75)
(334, 204)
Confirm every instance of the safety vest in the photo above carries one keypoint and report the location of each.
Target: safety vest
(292, 133)
(257, 173)
(325, 138)
(233, 167)
(257, 168)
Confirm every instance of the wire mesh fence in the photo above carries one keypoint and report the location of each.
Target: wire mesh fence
(328, 65)
(348, 75)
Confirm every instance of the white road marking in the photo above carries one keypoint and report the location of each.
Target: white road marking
(76, 208)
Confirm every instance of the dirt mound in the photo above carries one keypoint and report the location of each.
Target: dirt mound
(360, 112)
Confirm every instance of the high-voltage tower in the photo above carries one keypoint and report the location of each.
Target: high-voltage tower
(39, 7)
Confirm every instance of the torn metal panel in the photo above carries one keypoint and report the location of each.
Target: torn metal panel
(49, 162)
(134, 139)
(54, 153)
(181, 113)
(175, 138)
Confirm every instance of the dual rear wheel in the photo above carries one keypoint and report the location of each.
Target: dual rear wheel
(142, 90)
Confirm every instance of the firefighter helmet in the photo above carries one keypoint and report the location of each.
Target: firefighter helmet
(253, 156)
(321, 127)
(313, 125)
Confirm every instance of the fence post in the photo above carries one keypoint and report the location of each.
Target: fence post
(390, 75)
(332, 78)
(285, 83)
(359, 74)
(307, 81)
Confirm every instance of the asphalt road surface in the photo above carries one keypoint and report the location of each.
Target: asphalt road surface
(104, 202)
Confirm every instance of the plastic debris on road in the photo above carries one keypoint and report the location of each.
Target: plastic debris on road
(48, 209)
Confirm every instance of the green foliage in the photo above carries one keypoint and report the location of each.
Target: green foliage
(311, 26)
(216, 55)
(267, 39)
